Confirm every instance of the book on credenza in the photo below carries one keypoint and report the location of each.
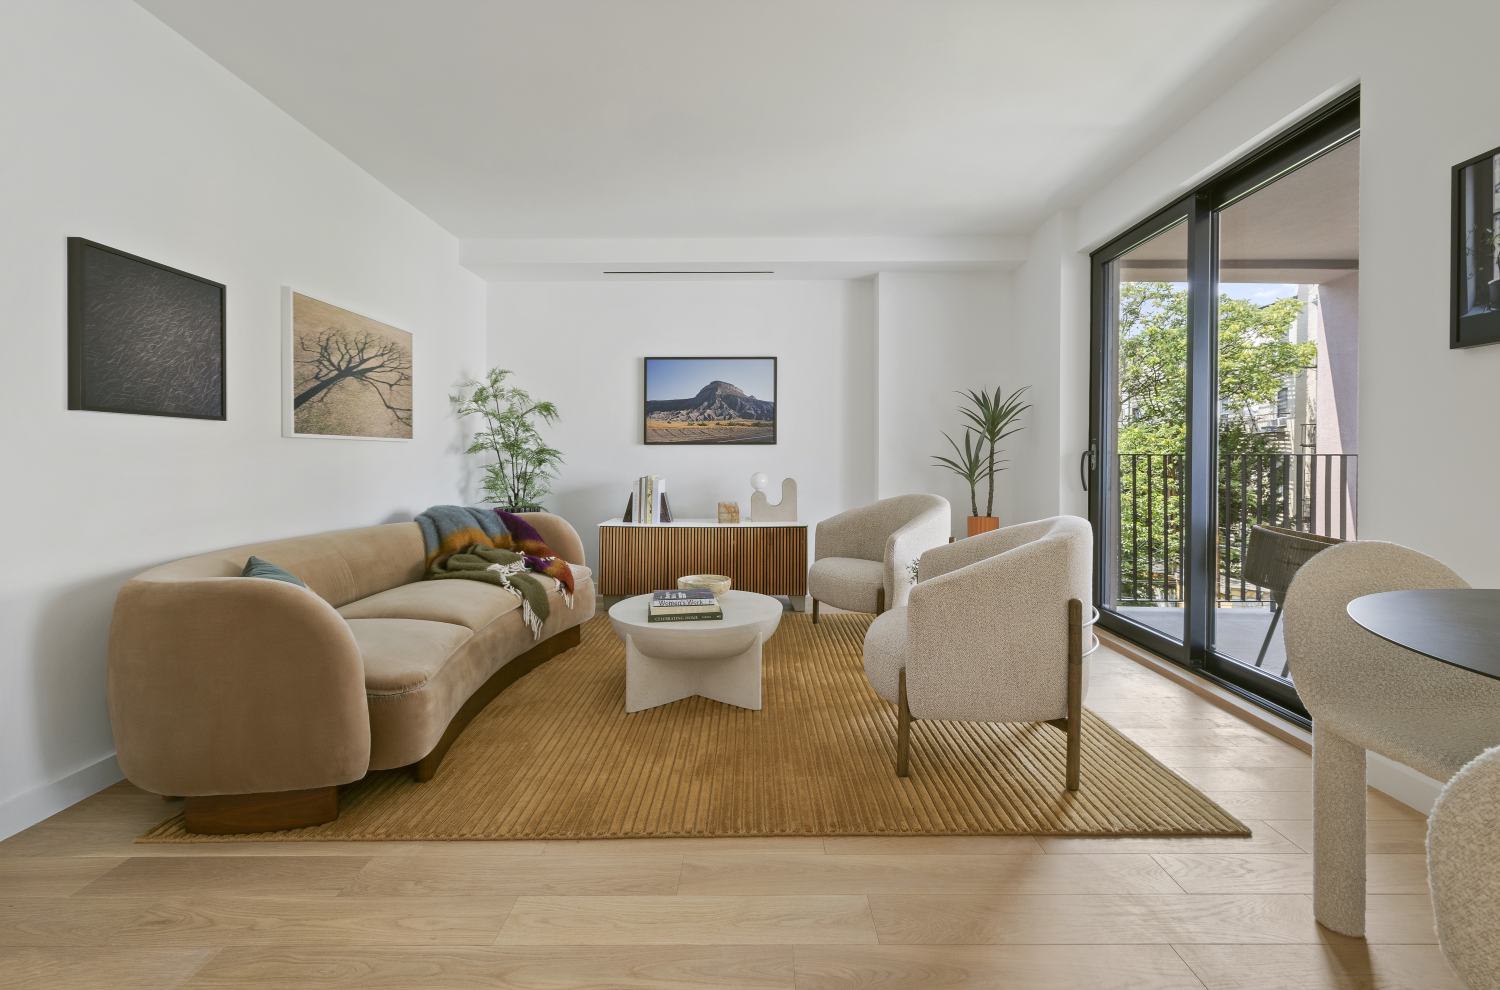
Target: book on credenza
(648, 503)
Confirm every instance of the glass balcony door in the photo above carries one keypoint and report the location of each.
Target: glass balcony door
(1223, 398)
(1143, 471)
(1288, 433)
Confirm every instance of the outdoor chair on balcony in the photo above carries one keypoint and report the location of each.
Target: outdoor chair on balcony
(994, 632)
(1365, 693)
(1272, 560)
(863, 557)
(1465, 873)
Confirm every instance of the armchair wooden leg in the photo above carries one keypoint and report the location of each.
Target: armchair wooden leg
(1075, 690)
(815, 611)
(903, 728)
(879, 600)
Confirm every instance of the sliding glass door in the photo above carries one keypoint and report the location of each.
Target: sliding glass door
(1224, 399)
(1142, 477)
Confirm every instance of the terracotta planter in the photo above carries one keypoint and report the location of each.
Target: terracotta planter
(982, 524)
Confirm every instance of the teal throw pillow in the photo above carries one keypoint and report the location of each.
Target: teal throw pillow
(255, 567)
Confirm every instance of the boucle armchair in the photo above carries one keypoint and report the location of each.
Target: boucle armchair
(1465, 873)
(862, 558)
(1365, 693)
(993, 633)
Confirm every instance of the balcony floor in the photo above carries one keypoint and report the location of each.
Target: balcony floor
(1238, 631)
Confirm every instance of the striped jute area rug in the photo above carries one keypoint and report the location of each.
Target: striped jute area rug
(555, 756)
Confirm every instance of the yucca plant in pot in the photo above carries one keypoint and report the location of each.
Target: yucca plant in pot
(992, 418)
(524, 463)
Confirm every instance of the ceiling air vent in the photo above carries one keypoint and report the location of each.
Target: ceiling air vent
(758, 272)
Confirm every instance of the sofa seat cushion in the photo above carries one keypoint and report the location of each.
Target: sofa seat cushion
(472, 604)
(405, 727)
(846, 582)
(402, 655)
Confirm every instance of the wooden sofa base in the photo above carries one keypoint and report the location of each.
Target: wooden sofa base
(231, 814)
(426, 768)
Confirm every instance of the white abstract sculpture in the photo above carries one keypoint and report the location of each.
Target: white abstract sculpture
(763, 511)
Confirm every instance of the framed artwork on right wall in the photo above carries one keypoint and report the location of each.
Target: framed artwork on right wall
(1475, 317)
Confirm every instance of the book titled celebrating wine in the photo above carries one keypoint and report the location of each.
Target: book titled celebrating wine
(684, 605)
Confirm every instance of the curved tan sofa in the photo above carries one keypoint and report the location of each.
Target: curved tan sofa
(255, 699)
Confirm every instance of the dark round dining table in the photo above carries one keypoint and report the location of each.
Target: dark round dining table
(1458, 626)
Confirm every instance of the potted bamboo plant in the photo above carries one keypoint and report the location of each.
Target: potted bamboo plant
(991, 418)
(524, 463)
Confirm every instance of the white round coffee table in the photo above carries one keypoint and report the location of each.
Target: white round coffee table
(716, 658)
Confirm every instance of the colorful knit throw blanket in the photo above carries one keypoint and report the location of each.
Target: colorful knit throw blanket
(496, 547)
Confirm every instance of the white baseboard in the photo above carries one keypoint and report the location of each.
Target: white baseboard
(1401, 782)
(25, 810)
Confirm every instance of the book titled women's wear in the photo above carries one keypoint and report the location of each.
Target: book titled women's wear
(684, 605)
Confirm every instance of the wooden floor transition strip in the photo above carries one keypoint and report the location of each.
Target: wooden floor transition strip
(557, 757)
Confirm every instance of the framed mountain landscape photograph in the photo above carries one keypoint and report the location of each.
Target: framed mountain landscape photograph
(344, 375)
(710, 400)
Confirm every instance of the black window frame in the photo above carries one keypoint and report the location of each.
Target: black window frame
(1335, 124)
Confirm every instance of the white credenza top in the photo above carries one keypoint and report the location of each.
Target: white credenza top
(695, 523)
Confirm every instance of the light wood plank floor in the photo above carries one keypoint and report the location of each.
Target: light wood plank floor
(84, 907)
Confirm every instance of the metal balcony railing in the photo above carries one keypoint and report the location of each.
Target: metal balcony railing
(1308, 492)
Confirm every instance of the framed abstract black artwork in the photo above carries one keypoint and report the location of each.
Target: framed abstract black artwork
(1475, 316)
(142, 338)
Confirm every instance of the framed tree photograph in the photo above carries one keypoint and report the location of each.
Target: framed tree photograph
(1475, 316)
(344, 375)
(701, 400)
(142, 338)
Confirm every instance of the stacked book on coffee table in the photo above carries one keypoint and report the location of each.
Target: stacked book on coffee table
(684, 605)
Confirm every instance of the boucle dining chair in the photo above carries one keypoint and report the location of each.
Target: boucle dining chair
(862, 558)
(1465, 872)
(993, 633)
(1365, 693)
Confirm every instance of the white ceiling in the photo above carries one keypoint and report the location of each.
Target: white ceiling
(739, 118)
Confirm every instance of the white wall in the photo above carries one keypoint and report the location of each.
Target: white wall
(846, 439)
(117, 130)
(1051, 347)
(581, 345)
(939, 333)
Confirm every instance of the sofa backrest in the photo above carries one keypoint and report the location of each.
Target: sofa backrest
(340, 567)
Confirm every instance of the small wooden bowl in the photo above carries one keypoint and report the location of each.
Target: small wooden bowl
(717, 583)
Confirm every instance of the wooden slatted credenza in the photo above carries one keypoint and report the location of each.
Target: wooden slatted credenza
(767, 558)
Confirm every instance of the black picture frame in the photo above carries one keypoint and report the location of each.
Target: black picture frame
(1474, 318)
(143, 338)
(754, 439)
